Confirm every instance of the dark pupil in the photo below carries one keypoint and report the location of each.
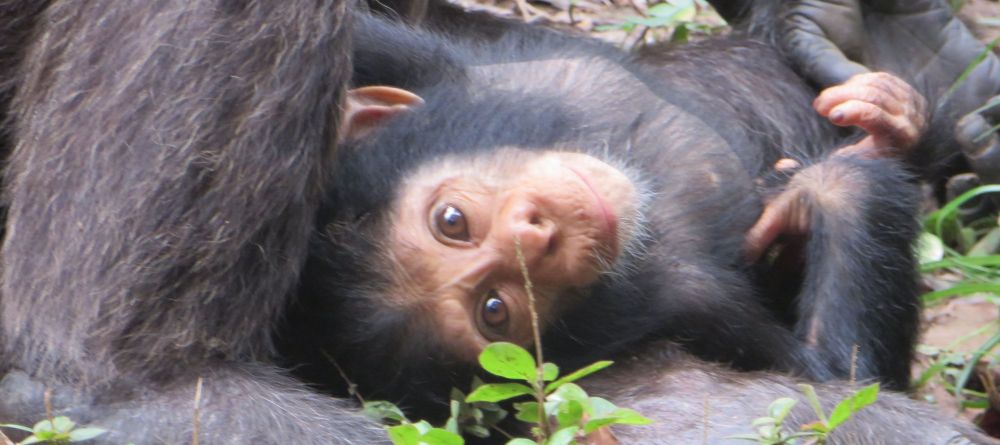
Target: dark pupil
(451, 223)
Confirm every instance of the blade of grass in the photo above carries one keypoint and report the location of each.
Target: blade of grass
(961, 289)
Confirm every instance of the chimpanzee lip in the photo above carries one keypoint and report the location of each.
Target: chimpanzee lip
(610, 219)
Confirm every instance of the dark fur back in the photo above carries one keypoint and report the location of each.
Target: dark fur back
(164, 181)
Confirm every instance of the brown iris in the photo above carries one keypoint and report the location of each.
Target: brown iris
(450, 222)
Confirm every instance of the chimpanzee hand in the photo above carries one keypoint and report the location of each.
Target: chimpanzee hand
(980, 143)
(887, 108)
(832, 40)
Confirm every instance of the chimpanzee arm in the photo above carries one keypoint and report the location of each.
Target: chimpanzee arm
(167, 168)
(859, 288)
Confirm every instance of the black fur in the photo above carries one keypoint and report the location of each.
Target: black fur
(168, 162)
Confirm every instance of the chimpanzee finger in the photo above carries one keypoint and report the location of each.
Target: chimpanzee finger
(980, 145)
(882, 89)
(785, 214)
(886, 129)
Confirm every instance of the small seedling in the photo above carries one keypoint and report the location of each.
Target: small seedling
(676, 14)
(58, 430)
(770, 430)
(562, 411)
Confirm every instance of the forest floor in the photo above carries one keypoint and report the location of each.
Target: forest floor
(953, 330)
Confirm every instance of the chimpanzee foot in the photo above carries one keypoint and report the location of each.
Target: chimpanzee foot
(980, 143)
(892, 113)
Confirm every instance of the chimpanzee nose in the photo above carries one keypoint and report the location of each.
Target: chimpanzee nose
(527, 223)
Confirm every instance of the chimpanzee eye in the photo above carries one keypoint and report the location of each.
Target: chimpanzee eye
(450, 222)
(493, 316)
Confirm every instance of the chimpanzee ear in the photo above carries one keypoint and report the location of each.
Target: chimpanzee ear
(367, 108)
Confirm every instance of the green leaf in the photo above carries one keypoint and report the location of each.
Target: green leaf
(962, 289)
(930, 248)
(451, 425)
(563, 437)
(681, 34)
(508, 360)
(520, 441)
(423, 426)
(478, 431)
(407, 434)
(981, 261)
(42, 426)
(62, 424)
(569, 413)
(780, 408)
(31, 439)
(817, 427)
(570, 392)
(988, 244)
(16, 427)
(601, 407)
(85, 433)
(813, 400)
(620, 416)
(847, 407)
(549, 372)
(496, 392)
(438, 436)
(652, 22)
(663, 10)
(526, 412)
(380, 411)
(578, 374)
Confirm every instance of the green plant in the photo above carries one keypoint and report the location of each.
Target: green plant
(57, 430)
(562, 411)
(676, 14)
(968, 250)
(770, 429)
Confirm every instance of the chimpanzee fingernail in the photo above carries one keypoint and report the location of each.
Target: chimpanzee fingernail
(837, 116)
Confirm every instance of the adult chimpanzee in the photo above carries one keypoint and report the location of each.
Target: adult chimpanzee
(167, 165)
(631, 186)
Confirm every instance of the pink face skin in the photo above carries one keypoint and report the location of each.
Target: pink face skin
(456, 226)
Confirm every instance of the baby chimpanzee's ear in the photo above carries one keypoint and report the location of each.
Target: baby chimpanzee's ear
(367, 108)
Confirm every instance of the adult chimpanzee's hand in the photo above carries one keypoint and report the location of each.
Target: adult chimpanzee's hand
(831, 40)
(980, 142)
(824, 38)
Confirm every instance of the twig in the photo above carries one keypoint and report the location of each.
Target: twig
(539, 392)
(352, 388)
(704, 422)
(854, 364)
(196, 416)
(48, 408)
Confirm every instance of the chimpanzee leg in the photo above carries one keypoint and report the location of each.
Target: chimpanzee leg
(859, 284)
